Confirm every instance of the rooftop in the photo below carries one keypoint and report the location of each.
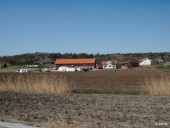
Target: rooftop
(75, 61)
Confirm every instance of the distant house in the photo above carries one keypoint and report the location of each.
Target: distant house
(34, 65)
(3, 65)
(126, 64)
(86, 63)
(109, 64)
(145, 62)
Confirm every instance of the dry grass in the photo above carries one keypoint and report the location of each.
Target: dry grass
(37, 83)
(157, 86)
(102, 81)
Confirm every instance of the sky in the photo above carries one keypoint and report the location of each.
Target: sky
(84, 26)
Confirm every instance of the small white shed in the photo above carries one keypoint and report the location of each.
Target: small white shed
(145, 62)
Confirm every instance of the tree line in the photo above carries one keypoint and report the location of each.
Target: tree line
(50, 58)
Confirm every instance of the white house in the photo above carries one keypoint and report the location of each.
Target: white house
(145, 62)
(109, 64)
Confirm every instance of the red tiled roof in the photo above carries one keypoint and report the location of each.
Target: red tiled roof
(113, 62)
(76, 61)
(104, 62)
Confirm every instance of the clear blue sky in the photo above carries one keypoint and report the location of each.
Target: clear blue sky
(91, 26)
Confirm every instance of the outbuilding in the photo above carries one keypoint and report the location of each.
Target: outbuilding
(126, 64)
(85, 63)
(145, 62)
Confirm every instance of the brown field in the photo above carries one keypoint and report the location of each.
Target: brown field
(132, 81)
(112, 81)
(96, 99)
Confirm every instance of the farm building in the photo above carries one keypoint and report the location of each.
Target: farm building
(3, 65)
(109, 64)
(86, 63)
(145, 62)
(127, 64)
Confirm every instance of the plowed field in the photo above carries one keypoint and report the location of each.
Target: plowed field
(100, 99)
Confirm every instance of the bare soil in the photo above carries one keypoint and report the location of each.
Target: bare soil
(92, 110)
(112, 81)
(100, 99)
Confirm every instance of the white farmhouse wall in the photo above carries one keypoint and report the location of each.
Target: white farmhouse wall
(145, 62)
(66, 69)
(109, 65)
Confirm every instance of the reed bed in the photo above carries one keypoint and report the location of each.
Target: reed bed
(157, 86)
(34, 83)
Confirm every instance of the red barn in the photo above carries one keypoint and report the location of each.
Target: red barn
(84, 63)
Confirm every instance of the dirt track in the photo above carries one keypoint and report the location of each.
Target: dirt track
(92, 110)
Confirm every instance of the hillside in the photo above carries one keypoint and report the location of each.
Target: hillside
(50, 58)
